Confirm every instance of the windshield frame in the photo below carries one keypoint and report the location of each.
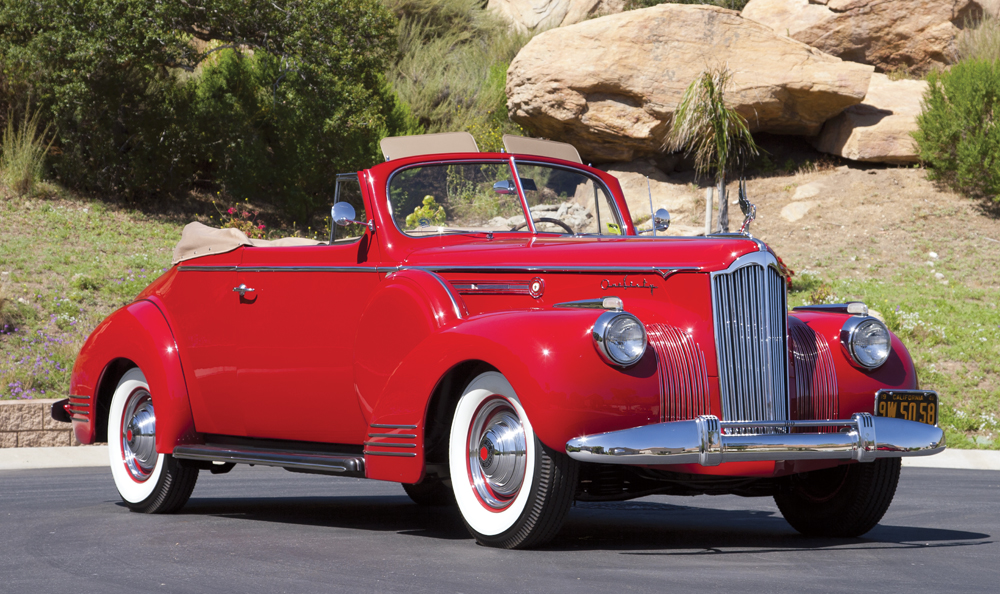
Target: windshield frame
(511, 161)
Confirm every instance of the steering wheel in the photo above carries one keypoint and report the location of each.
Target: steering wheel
(545, 220)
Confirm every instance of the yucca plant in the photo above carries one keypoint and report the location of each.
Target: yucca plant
(714, 134)
(22, 156)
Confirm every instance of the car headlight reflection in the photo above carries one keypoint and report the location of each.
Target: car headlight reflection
(620, 338)
(867, 341)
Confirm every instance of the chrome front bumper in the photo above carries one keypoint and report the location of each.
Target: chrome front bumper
(702, 441)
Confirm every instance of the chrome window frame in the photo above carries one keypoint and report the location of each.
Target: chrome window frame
(607, 191)
(511, 163)
(336, 196)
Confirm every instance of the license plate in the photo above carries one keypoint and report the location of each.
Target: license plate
(913, 405)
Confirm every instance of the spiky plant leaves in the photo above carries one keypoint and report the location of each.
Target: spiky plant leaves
(714, 134)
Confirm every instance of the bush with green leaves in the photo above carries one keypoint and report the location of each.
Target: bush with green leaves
(958, 136)
(268, 99)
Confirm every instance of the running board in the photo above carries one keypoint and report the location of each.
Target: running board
(319, 463)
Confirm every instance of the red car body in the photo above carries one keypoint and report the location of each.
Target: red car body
(359, 344)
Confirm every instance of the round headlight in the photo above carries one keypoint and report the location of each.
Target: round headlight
(620, 338)
(867, 341)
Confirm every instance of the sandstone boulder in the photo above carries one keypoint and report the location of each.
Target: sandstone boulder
(878, 129)
(917, 35)
(610, 85)
(538, 15)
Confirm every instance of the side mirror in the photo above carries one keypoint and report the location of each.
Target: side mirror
(342, 213)
(504, 187)
(661, 220)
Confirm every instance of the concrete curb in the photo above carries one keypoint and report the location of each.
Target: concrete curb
(958, 459)
(84, 456)
(59, 457)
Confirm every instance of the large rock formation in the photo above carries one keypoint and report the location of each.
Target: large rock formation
(879, 128)
(538, 15)
(610, 85)
(917, 35)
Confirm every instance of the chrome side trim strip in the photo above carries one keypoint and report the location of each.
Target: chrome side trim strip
(610, 303)
(279, 268)
(75, 397)
(396, 435)
(308, 269)
(85, 413)
(343, 464)
(398, 454)
(390, 445)
(83, 404)
(702, 441)
(663, 271)
(384, 426)
(459, 309)
(854, 308)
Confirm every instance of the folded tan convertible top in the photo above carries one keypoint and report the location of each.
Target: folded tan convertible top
(199, 240)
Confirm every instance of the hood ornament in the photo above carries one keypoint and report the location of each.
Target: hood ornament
(749, 209)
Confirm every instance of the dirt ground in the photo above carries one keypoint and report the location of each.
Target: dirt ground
(845, 220)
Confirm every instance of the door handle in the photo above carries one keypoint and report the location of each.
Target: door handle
(242, 290)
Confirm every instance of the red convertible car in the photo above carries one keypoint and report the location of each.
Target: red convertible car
(493, 331)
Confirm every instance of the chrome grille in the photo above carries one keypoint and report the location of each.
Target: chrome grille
(748, 300)
(681, 366)
(814, 393)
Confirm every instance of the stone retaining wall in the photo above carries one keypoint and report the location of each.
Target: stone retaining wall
(29, 424)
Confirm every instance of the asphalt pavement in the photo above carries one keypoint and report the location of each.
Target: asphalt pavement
(267, 530)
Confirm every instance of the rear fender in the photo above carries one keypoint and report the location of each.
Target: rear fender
(138, 333)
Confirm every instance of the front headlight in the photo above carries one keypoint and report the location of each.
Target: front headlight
(867, 341)
(620, 338)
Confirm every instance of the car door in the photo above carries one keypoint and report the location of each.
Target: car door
(203, 310)
(295, 373)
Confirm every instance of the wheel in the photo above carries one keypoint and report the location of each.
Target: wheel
(147, 482)
(430, 492)
(845, 501)
(545, 220)
(512, 491)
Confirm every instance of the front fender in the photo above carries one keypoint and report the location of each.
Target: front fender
(138, 333)
(549, 358)
(857, 386)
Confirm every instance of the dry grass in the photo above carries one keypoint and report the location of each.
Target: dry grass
(22, 157)
(6, 302)
(980, 40)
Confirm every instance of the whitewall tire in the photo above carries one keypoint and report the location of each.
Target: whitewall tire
(147, 481)
(512, 491)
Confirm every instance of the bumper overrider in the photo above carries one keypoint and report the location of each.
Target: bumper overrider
(708, 441)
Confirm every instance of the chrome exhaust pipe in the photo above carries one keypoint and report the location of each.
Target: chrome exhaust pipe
(704, 441)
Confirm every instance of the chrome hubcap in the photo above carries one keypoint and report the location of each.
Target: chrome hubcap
(139, 435)
(497, 453)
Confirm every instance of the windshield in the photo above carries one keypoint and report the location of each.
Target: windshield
(482, 197)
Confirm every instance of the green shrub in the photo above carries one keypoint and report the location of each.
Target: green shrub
(270, 99)
(958, 135)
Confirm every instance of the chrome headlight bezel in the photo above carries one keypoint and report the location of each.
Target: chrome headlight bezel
(605, 324)
(849, 333)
